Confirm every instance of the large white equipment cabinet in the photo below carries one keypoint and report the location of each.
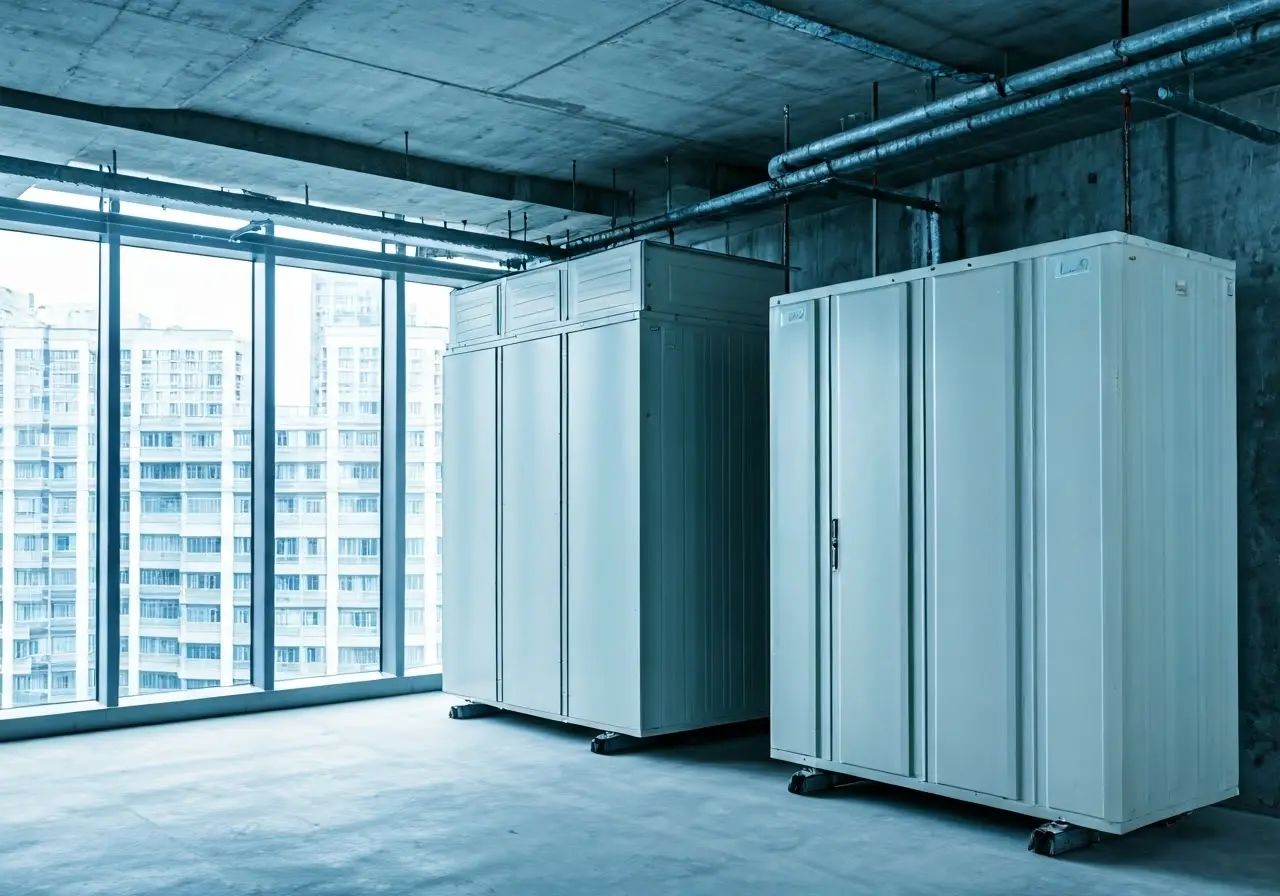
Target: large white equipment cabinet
(605, 507)
(1003, 554)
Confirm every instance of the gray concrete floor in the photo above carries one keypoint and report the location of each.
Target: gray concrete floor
(390, 796)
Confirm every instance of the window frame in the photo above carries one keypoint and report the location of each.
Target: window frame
(112, 230)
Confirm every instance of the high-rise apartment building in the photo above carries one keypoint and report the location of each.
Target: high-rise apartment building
(186, 499)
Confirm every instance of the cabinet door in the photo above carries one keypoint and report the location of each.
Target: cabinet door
(531, 557)
(870, 484)
(795, 557)
(469, 632)
(971, 495)
(603, 468)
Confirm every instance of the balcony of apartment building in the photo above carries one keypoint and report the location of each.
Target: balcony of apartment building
(159, 654)
(201, 561)
(359, 520)
(204, 445)
(30, 688)
(364, 477)
(166, 554)
(202, 668)
(167, 516)
(20, 556)
(27, 521)
(31, 450)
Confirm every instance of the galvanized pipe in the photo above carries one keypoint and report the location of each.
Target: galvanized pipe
(1218, 50)
(1219, 118)
(1029, 82)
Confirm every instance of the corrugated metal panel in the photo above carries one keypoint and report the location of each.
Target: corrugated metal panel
(473, 313)
(704, 284)
(705, 568)
(533, 300)
(1180, 552)
(606, 283)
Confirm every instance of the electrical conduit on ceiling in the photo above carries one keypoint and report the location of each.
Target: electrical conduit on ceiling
(1042, 78)
(786, 185)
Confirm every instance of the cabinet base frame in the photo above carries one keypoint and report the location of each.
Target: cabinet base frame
(1046, 813)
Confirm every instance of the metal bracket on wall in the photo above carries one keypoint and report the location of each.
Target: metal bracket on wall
(1186, 104)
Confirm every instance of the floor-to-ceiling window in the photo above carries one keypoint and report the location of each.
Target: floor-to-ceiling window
(328, 498)
(191, 588)
(48, 458)
(426, 335)
(186, 382)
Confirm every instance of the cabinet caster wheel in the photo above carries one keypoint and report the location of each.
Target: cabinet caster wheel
(1170, 822)
(1055, 838)
(610, 743)
(472, 711)
(813, 780)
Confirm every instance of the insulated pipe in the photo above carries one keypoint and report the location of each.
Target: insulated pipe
(1237, 44)
(1219, 118)
(1158, 39)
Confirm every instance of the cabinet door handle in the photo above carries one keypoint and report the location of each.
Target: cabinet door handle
(835, 544)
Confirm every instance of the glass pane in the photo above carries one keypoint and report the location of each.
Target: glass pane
(185, 392)
(48, 455)
(328, 473)
(426, 334)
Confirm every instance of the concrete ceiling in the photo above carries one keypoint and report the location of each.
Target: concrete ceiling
(515, 86)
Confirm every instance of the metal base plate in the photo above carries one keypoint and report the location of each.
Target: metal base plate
(1054, 838)
(472, 711)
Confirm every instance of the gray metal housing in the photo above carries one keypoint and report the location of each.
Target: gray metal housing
(605, 448)
(1004, 530)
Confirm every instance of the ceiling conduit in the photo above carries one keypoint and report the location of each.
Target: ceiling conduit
(1239, 44)
(1089, 62)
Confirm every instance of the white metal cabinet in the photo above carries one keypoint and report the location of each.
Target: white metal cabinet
(604, 525)
(870, 589)
(470, 495)
(530, 553)
(971, 541)
(632, 446)
(1029, 598)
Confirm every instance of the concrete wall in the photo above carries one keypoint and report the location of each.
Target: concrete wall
(1194, 187)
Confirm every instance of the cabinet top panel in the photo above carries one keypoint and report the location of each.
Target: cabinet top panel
(637, 276)
(1025, 254)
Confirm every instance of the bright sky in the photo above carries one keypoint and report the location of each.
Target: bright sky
(191, 291)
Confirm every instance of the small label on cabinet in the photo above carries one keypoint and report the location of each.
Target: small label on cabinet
(793, 315)
(1069, 267)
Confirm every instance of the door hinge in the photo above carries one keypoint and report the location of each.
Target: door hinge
(835, 544)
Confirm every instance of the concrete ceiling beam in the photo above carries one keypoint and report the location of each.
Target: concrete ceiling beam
(851, 40)
(296, 146)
